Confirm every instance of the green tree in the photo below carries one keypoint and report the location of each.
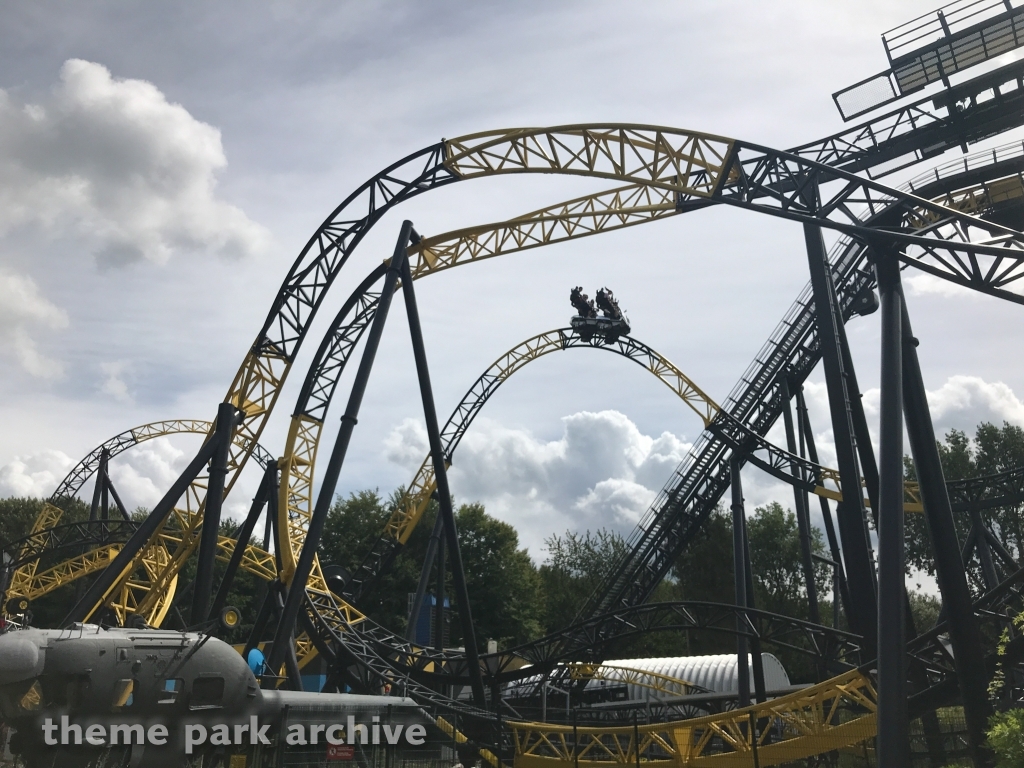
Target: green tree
(704, 570)
(1006, 737)
(992, 450)
(17, 514)
(777, 564)
(576, 566)
(500, 577)
(503, 583)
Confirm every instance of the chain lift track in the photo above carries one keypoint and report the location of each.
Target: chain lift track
(756, 401)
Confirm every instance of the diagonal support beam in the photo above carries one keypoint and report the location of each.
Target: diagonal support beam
(444, 497)
(860, 574)
(297, 588)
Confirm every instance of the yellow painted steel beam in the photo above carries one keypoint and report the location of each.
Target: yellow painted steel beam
(685, 162)
(652, 681)
(832, 715)
(32, 584)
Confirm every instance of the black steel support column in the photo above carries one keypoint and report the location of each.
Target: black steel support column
(297, 586)
(209, 533)
(117, 499)
(259, 501)
(426, 569)
(964, 633)
(105, 496)
(861, 435)
(439, 596)
(841, 593)
(756, 662)
(802, 513)
(988, 566)
(444, 497)
(740, 576)
(860, 575)
(892, 743)
(262, 618)
(101, 481)
(109, 576)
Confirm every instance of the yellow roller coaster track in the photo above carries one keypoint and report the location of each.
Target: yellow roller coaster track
(681, 162)
(832, 715)
(660, 163)
(30, 583)
(664, 685)
(583, 216)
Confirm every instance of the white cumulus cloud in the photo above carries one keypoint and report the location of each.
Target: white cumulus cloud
(114, 164)
(35, 475)
(602, 472)
(22, 310)
(114, 384)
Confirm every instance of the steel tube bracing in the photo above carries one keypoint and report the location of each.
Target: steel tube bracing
(892, 743)
(949, 568)
(739, 567)
(802, 514)
(99, 589)
(444, 496)
(860, 575)
(426, 570)
(687, 164)
(840, 594)
(222, 433)
(268, 485)
(297, 583)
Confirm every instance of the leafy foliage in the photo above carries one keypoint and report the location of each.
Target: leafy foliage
(1006, 736)
(993, 450)
(501, 579)
(577, 565)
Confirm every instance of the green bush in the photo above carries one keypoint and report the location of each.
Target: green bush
(1006, 735)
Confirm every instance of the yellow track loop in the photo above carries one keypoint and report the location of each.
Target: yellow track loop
(588, 215)
(803, 724)
(409, 511)
(664, 685)
(680, 161)
(414, 502)
(27, 581)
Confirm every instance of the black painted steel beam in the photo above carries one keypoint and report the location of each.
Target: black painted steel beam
(297, 588)
(444, 498)
(964, 634)
(860, 573)
(267, 486)
(223, 431)
(426, 570)
(802, 513)
(98, 590)
(740, 577)
(892, 741)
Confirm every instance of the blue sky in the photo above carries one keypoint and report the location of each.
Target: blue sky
(162, 164)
